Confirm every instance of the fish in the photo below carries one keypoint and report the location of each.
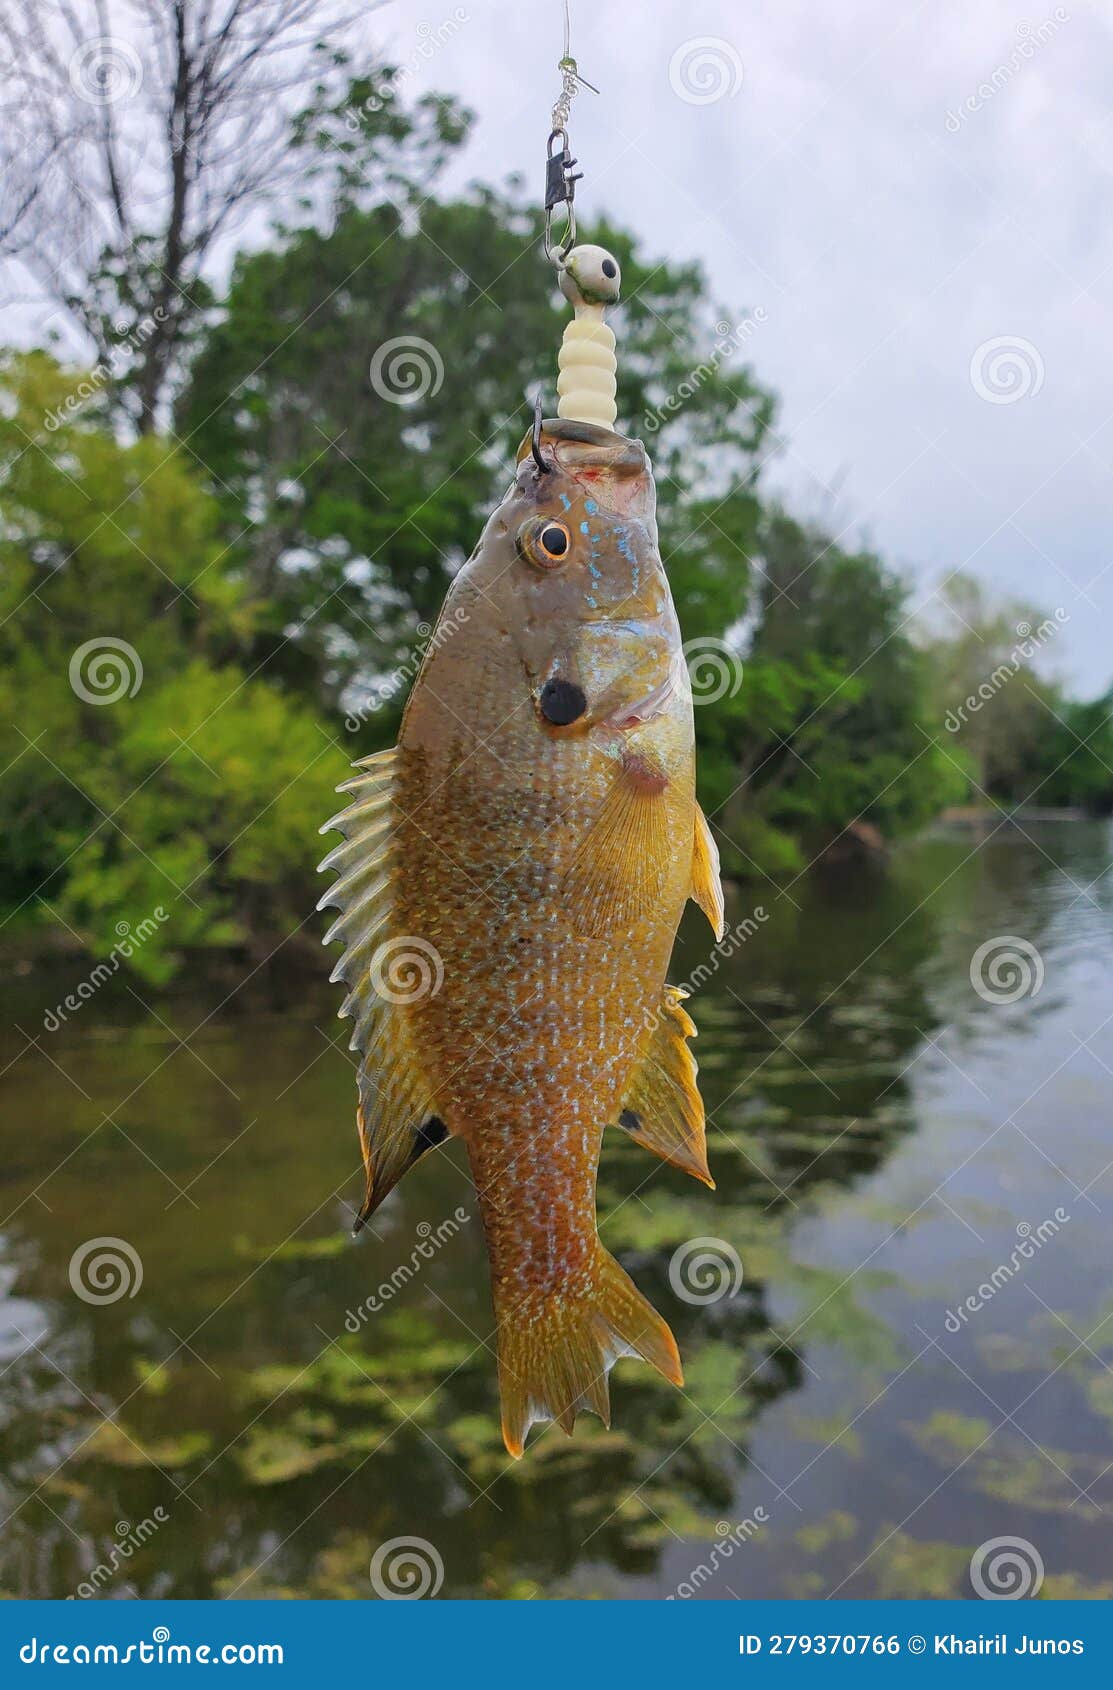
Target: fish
(509, 887)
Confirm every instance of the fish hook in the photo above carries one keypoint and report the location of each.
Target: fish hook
(543, 465)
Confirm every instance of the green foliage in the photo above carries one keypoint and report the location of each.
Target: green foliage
(828, 728)
(197, 790)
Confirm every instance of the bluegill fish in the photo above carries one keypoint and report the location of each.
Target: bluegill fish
(510, 884)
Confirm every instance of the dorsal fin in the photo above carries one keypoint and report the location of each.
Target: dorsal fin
(395, 1115)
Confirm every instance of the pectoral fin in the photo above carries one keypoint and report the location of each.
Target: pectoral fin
(662, 1107)
(395, 1113)
(707, 887)
(618, 870)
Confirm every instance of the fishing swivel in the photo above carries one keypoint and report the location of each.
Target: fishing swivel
(560, 189)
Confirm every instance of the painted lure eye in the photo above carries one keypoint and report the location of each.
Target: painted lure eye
(546, 543)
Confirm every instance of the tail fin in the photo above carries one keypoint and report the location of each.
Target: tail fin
(554, 1361)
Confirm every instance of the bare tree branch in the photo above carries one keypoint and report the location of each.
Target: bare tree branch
(133, 135)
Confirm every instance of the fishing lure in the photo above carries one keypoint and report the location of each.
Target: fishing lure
(525, 853)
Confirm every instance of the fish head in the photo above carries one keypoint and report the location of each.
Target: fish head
(574, 565)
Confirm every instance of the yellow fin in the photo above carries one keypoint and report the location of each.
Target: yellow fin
(707, 887)
(554, 1360)
(662, 1108)
(395, 1113)
(619, 867)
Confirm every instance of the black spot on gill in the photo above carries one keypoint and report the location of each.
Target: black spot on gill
(630, 1120)
(562, 702)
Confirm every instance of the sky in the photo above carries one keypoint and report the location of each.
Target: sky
(912, 197)
(917, 195)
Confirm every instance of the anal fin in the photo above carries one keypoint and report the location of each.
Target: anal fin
(662, 1108)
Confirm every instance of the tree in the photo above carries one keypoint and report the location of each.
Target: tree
(988, 705)
(830, 722)
(146, 769)
(136, 138)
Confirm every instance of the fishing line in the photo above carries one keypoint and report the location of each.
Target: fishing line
(560, 174)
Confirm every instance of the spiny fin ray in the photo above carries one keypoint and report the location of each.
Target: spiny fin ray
(395, 1113)
(662, 1108)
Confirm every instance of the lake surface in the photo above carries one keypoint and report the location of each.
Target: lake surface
(858, 1418)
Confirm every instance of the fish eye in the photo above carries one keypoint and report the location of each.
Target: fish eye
(545, 542)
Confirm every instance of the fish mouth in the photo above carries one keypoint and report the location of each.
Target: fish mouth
(580, 448)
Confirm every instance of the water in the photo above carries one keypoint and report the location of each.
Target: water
(883, 1139)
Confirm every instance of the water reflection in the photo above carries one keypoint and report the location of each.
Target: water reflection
(876, 1129)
